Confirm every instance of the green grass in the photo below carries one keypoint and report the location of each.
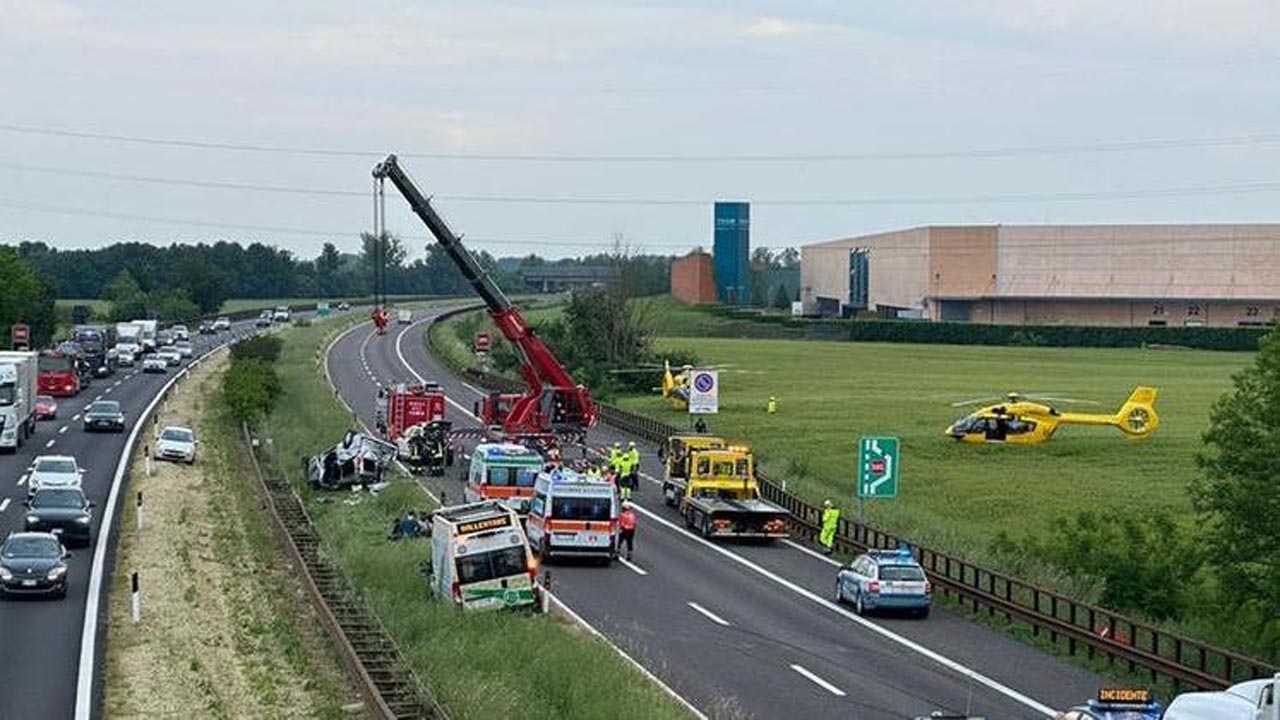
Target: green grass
(956, 496)
(480, 665)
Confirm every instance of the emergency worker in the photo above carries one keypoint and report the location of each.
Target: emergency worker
(772, 406)
(633, 460)
(830, 517)
(627, 522)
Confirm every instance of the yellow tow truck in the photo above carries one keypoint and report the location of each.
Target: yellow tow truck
(713, 485)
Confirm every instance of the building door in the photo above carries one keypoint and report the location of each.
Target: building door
(859, 272)
(955, 310)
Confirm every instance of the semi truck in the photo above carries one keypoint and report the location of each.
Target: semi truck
(129, 338)
(713, 485)
(58, 374)
(94, 342)
(148, 334)
(18, 380)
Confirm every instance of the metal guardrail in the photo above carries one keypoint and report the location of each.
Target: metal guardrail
(392, 691)
(1069, 624)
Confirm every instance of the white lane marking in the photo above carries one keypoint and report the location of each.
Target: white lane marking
(108, 391)
(93, 597)
(62, 429)
(75, 417)
(632, 661)
(818, 681)
(4, 504)
(633, 567)
(23, 480)
(814, 553)
(117, 384)
(829, 605)
(708, 614)
(96, 399)
(49, 444)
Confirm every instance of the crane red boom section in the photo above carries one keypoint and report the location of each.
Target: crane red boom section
(553, 402)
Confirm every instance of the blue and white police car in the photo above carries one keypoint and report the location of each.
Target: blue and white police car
(1116, 704)
(883, 580)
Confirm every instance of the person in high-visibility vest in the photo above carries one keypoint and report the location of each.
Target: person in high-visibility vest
(627, 522)
(623, 470)
(615, 453)
(772, 406)
(830, 517)
(633, 466)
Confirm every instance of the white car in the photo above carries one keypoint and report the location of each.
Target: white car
(180, 332)
(264, 319)
(281, 315)
(125, 357)
(184, 348)
(222, 324)
(177, 444)
(54, 471)
(154, 364)
(170, 355)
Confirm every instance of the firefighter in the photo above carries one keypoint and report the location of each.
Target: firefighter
(830, 518)
(627, 522)
(772, 406)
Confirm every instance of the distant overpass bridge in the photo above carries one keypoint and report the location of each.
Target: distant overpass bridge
(556, 278)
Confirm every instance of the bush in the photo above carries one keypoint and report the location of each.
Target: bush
(250, 388)
(261, 347)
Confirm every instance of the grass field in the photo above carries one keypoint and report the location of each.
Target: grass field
(483, 665)
(960, 496)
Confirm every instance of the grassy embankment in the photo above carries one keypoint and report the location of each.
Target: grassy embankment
(481, 666)
(226, 630)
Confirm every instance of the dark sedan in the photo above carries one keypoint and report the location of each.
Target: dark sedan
(104, 415)
(62, 511)
(33, 563)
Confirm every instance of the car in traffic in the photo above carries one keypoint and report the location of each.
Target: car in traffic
(54, 471)
(264, 319)
(281, 314)
(46, 407)
(180, 332)
(104, 415)
(184, 348)
(154, 364)
(885, 580)
(170, 355)
(344, 305)
(206, 328)
(65, 512)
(222, 324)
(126, 356)
(176, 443)
(33, 564)
(164, 338)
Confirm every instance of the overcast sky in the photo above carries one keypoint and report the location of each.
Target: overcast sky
(856, 85)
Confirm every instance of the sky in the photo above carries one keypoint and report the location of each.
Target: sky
(559, 127)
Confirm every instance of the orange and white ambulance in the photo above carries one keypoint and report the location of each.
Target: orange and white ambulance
(573, 515)
(505, 472)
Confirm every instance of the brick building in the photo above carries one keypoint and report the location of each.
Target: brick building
(693, 279)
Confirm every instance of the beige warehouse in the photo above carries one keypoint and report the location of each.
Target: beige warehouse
(1220, 275)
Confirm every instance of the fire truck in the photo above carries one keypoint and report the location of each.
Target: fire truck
(553, 408)
(414, 420)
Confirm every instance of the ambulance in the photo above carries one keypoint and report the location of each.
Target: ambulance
(573, 515)
(480, 559)
(505, 472)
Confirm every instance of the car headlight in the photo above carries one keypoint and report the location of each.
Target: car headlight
(57, 572)
(83, 520)
(5, 574)
(32, 519)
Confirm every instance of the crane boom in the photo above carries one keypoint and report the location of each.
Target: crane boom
(553, 401)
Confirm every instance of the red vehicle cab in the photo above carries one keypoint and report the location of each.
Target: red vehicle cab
(410, 405)
(57, 375)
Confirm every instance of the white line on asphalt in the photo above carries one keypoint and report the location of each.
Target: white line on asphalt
(814, 553)
(49, 444)
(62, 429)
(96, 399)
(75, 417)
(877, 629)
(4, 504)
(407, 366)
(23, 480)
(708, 614)
(117, 383)
(634, 568)
(819, 681)
(108, 391)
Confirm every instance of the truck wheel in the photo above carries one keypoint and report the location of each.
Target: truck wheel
(706, 526)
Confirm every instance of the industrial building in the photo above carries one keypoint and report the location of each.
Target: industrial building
(692, 279)
(1176, 275)
(733, 252)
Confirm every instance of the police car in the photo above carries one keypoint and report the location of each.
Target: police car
(1116, 704)
(885, 579)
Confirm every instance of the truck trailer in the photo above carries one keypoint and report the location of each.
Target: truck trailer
(19, 372)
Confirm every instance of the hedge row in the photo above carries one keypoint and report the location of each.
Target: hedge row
(746, 323)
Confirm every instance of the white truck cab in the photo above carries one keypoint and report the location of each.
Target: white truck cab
(1249, 700)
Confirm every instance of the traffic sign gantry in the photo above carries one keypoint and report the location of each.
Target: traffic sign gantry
(878, 467)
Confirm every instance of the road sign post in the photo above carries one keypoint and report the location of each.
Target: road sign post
(878, 468)
(704, 392)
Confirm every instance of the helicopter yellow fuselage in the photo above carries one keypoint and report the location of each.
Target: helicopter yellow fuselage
(1021, 422)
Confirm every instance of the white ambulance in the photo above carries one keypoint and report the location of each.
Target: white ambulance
(573, 515)
(480, 559)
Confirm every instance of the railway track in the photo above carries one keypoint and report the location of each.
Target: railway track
(391, 690)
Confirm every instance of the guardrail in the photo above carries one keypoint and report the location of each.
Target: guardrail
(1069, 624)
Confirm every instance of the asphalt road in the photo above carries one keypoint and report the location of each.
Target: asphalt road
(41, 638)
(744, 630)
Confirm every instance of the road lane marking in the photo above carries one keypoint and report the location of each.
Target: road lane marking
(4, 504)
(813, 553)
(23, 480)
(62, 429)
(634, 568)
(75, 417)
(818, 681)
(97, 398)
(108, 391)
(49, 444)
(708, 614)
(416, 374)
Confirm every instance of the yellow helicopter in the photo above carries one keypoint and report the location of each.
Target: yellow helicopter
(675, 384)
(1021, 420)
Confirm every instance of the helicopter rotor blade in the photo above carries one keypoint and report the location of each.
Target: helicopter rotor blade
(977, 400)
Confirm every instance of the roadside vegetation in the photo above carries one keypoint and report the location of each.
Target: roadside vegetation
(225, 631)
(479, 665)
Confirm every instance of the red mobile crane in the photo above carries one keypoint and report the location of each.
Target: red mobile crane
(553, 404)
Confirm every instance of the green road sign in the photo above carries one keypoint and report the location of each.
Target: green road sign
(878, 462)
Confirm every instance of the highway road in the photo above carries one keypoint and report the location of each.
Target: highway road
(42, 638)
(748, 630)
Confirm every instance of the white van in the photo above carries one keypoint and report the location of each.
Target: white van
(1250, 700)
(572, 514)
(480, 559)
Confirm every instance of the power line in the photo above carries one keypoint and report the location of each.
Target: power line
(308, 232)
(971, 153)
(1041, 197)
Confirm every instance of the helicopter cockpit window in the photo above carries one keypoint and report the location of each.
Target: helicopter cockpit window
(1018, 426)
(971, 423)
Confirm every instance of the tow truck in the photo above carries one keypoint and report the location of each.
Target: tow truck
(416, 424)
(553, 409)
(713, 485)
